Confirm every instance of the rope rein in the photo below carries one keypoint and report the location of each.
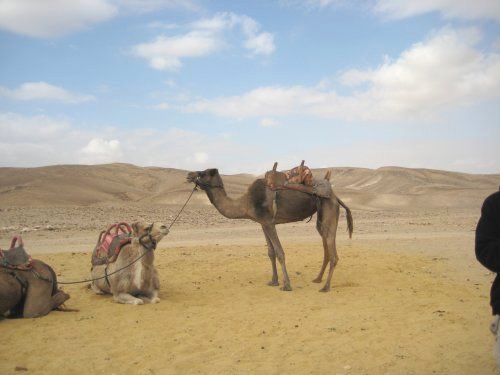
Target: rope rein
(140, 240)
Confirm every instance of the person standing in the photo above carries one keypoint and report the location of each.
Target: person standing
(487, 247)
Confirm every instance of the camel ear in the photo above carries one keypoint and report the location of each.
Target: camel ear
(275, 166)
(136, 228)
(328, 175)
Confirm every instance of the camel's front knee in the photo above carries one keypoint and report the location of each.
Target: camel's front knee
(127, 299)
(96, 289)
(59, 298)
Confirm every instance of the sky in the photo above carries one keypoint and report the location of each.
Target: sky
(238, 85)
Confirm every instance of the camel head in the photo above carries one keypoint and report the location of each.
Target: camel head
(149, 234)
(208, 178)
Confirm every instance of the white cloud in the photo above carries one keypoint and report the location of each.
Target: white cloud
(99, 151)
(165, 53)
(54, 18)
(30, 141)
(477, 9)
(40, 139)
(144, 6)
(219, 22)
(17, 128)
(261, 44)
(162, 106)
(199, 157)
(444, 71)
(51, 18)
(205, 37)
(162, 25)
(268, 123)
(44, 91)
(314, 3)
(398, 9)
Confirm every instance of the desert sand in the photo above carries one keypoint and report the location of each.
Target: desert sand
(408, 296)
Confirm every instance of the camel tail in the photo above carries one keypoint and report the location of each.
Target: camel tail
(350, 223)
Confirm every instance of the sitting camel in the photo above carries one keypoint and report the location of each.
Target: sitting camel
(28, 287)
(132, 278)
(268, 208)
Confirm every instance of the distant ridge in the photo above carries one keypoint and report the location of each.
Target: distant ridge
(116, 184)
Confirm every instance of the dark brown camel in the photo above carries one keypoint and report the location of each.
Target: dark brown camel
(257, 205)
(28, 288)
(29, 293)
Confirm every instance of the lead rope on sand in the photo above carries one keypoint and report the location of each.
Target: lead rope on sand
(135, 260)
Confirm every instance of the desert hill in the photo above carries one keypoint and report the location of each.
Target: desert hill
(117, 184)
(407, 286)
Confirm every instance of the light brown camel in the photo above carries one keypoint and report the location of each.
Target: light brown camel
(28, 288)
(138, 283)
(257, 205)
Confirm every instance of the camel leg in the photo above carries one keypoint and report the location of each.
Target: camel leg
(332, 248)
(327, 227)
(270, 231)
(39, 299)
(150, 297)
(326, 260)
(10, 295)
(127, 299)
(272, 256)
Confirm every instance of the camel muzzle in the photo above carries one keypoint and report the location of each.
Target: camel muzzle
(193, 177)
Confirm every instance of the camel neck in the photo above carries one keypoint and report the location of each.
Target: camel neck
(148, 255)
(228, 207)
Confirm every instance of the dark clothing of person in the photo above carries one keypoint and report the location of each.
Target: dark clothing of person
(488, 244)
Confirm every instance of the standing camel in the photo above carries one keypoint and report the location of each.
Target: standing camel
(257, 205)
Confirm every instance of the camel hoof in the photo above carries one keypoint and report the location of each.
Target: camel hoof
(155, 300)
(286, 288)
(273, 283)
(96, 289)
(317, 280)
(60, 297)
(324, 289)
(138, 302)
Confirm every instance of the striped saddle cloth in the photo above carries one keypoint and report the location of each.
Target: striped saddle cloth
(110, 243)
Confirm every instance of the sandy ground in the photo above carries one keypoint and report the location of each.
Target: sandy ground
(408, 297)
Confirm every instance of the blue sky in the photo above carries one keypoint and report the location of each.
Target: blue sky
(238, 85)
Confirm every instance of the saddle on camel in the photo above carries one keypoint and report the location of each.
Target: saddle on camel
(16, 257)
(300, 179)
(110, 243)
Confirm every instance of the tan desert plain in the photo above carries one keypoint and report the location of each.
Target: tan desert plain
(407, 295)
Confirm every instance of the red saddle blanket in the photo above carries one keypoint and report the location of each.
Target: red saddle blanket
(110, 243)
